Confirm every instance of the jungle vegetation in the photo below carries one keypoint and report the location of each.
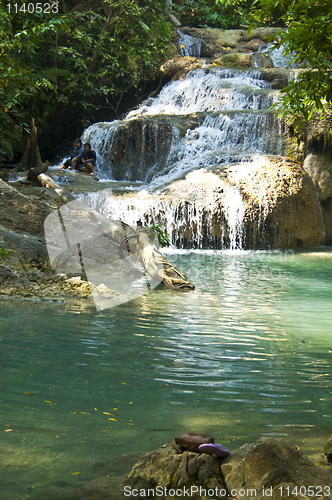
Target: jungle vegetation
(87, 55)
(306, 36)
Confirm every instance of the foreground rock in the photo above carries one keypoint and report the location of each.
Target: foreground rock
(275, 468)
(164, 468)
(269, 468)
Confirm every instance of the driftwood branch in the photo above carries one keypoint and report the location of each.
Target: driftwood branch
(157, 266)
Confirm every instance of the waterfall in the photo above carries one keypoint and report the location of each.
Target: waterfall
(189, 45)
(212, 118)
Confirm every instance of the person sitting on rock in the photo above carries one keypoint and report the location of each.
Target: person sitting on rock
(75, 160)
(88, 160)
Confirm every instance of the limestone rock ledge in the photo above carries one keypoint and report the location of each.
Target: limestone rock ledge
(37, 285)
(274, 204)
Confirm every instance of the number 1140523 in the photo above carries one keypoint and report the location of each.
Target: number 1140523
(305, 491)
(33, 8)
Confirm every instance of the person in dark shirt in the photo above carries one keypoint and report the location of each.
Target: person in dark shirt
(75, 160)
(88, 160)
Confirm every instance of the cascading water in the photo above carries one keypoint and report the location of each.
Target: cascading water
(189, 46)
(211, 118)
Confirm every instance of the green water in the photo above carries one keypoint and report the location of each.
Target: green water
(249, 353)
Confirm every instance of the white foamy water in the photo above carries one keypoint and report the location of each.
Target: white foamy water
(219, 89)
(189, 45)
(210, 118)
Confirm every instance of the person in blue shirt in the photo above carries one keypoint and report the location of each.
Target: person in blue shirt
(75, 160)
(88, 160)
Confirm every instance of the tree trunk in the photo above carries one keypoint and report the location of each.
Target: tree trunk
(171, 17)
(31, 158)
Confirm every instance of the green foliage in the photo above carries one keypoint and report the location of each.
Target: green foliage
(223, 14)
(307, 37)
(87, 59)
(159, 231)
(4, 252)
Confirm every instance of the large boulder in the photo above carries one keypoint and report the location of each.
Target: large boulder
(178, 67)
(272, 468)
(235, 60)
(20, 213)
(27, 251)
(268, 203)
(282, 207)
(165, 468)
(319, 167)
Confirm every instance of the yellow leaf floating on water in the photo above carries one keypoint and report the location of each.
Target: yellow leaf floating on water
(113, 419)
(83, 412)
(106, 431)
(106, 413)
(74, 473)
(123, 383)
(47, 401)
(130, 402)
(129, 423)
(8, 430)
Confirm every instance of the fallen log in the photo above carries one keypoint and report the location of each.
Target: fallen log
(157, 266)
(64, 196)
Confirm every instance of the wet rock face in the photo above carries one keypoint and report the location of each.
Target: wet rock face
(269, 204)
(282, 207)
(319, 167)
(141, 148)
